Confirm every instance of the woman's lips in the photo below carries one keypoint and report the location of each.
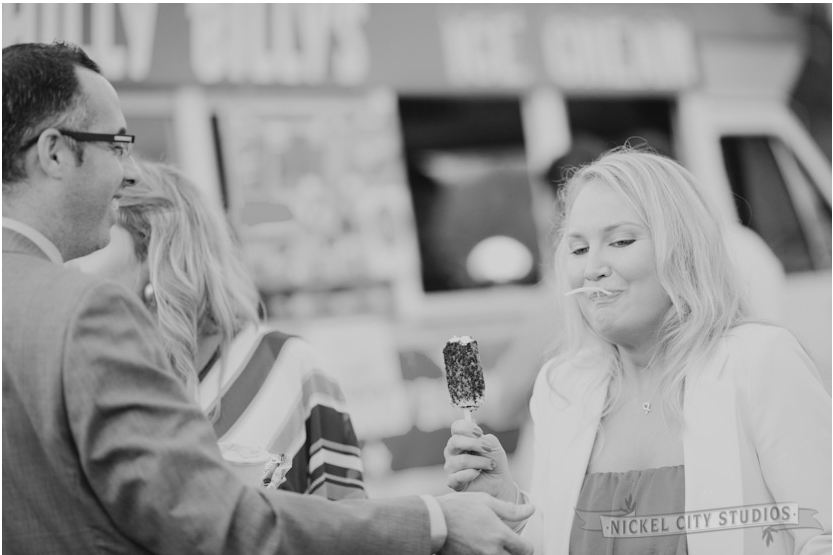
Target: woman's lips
(594, 293)
(600, 297)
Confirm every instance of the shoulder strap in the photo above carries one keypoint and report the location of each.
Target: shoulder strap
(210, 364)
(247, 380)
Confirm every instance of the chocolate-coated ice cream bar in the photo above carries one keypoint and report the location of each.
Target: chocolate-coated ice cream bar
(463, 372)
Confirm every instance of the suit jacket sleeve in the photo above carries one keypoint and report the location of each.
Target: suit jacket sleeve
(788, 415)
(152, 460)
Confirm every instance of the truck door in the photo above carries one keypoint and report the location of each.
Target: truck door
(767, 173)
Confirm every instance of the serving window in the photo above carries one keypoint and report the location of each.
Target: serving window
(471, 194)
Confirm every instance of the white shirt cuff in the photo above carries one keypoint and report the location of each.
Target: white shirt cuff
(436, 519)
(521, 499)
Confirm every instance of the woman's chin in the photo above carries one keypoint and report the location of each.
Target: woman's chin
(609, 331)
(601, 323)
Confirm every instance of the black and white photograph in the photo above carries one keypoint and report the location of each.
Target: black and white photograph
(417, 278)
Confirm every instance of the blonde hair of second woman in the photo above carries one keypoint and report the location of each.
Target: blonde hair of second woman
(200, 284)
(691, 262)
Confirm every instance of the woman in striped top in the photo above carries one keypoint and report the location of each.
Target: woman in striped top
(262, 390)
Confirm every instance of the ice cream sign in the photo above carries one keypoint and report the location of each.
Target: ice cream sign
(577, 51)
(617, 53)
(403, 46)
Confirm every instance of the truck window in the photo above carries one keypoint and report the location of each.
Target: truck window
(613, 121)
(599, 124)
(471, 192)
(776, 198)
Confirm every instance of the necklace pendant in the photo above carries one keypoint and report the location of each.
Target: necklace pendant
(646, 407)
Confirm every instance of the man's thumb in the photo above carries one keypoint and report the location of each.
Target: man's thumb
(511, 511)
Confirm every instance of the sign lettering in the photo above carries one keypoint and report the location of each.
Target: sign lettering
(128, 57)
(484, 48)
(617, 53)
(312, 45)
(291, 44)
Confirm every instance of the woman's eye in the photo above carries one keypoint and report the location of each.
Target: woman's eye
(623, 242)
(578, 250)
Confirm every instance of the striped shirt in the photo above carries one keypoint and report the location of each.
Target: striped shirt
(268, 392)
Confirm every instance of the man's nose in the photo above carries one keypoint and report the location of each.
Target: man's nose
(131, 172)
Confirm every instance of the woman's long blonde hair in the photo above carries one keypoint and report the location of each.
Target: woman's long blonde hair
(692, 264)
(200, 283)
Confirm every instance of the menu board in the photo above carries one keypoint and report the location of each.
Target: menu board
(317, 190)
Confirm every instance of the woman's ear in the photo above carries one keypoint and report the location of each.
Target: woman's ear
(149, 296)
(142, 279)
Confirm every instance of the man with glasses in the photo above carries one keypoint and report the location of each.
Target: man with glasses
(120, 143)
(102, 448)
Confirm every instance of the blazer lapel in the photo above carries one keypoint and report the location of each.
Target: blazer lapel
(711, 451)
(712, 455)
(571, 432)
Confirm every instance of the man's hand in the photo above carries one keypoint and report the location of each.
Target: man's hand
(476, 525)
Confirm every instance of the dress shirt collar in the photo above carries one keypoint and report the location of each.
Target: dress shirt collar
(44, 244)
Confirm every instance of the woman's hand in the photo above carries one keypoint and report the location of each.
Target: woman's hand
(477, 462)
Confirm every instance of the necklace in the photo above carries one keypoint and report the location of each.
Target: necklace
(638, 388)
(647, 404)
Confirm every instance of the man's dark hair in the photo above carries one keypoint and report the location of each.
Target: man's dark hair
(39, 88)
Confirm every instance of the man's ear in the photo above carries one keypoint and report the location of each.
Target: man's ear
(54, 154)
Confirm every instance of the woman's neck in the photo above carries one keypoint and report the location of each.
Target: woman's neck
(637, 362)
(637, 354)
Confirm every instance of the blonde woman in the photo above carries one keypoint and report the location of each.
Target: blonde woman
(665, 401)
(263, 390)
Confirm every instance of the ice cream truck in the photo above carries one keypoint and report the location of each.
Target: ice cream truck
(388, 166)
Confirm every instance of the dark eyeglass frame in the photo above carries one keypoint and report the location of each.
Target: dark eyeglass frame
(84, 137)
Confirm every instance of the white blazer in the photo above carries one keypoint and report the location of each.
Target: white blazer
(757, 430)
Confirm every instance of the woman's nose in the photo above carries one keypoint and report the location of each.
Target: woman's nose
(596, 270)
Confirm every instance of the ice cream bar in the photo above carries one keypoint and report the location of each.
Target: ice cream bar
(463, 373)
(274, 471)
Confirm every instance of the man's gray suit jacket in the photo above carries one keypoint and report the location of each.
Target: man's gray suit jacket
(103, 451)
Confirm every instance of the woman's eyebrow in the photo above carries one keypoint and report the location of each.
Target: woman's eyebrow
(607, 229)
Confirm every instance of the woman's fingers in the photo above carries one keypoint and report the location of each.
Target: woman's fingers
(463, 428)
(464, 461)
(490, 443)
(459, 481)
(463, 444)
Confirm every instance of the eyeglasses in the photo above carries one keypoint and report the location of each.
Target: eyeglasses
(121, 143)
